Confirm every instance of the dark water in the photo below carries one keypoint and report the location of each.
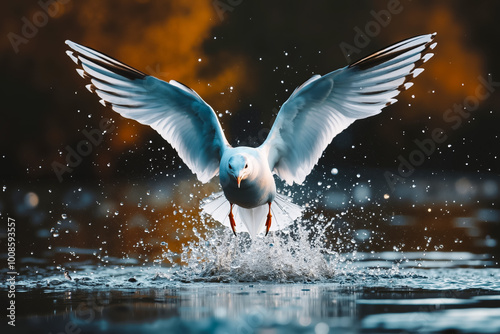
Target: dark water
(139, 259)
(437, 292)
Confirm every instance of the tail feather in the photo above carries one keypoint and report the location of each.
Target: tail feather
(284, 212)
(217, 206)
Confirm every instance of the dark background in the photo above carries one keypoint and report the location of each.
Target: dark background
(244, 58)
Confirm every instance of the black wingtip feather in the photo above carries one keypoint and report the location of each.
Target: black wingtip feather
(386, 54)
(110, 64)
(118, 68)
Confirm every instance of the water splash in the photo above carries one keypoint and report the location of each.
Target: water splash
(296, 254)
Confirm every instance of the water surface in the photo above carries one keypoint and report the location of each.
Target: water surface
(375, 292)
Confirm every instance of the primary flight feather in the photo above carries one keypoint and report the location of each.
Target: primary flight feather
(315, 113)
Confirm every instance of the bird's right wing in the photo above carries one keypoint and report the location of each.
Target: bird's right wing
(324, 106)
(175, 111)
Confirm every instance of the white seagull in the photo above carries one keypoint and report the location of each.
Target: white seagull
(307, 122)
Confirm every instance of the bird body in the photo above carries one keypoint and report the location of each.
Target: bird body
(307, 122)
(257, 186)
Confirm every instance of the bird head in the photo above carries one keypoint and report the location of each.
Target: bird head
(239, 167)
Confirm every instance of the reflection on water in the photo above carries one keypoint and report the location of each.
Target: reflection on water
(373, 296)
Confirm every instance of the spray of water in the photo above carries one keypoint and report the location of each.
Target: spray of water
(300, 253)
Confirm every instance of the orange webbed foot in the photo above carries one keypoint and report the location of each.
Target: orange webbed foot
(269, 220)
(231, 220)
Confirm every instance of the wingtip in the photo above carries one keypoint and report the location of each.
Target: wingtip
(431, 38)
(391, 102)
(90, 88)
(81, 73)
(426, 57)
(407, 86)
(72, 56)
(416, 72)
(70, 43)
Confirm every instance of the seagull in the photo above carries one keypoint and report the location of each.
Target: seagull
(307, 122)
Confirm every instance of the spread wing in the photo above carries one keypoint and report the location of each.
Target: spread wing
(175, 111)
(324, 106)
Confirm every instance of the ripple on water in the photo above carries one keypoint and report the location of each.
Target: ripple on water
(469, 320)
(177, 295)
(301, 254)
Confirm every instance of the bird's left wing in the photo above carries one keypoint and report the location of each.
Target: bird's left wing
(175, 111)
(324, 106)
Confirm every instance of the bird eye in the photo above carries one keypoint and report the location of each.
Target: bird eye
(230, 167)
(246, 166)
